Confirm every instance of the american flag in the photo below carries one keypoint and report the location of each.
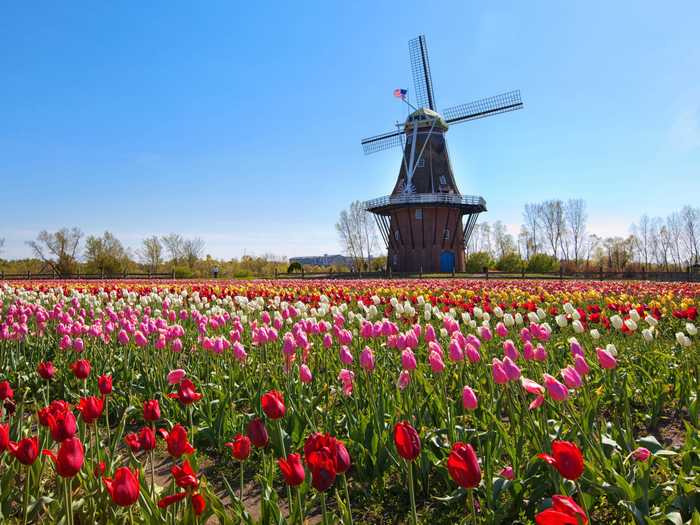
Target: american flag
(401, 93)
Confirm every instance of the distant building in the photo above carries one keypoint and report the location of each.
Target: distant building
(323, 260)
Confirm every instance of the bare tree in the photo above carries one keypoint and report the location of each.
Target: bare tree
(2, 244)
(531, 224)
(575, 212)
(151, 253)
(642, 237)
(175, 246)
(552, 219)
(675, 232)
(665, 247)
(502, 240)
(591, 244)
(58, 249)
(192, 250)
(690, 232)
(619, 252)
(357, 233)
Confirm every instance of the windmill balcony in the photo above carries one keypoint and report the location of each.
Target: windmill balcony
(467, 203)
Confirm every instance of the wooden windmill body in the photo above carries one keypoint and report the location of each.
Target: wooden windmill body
(426, 222)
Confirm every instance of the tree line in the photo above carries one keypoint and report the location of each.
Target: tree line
(554, 234)
(68, 251)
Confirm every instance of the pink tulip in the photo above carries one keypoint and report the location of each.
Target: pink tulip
(239, 351)
(78, 344)
(454, 351)
(528, 350)
(536, 403)
(606, 359)
(434, 347)
(540, 353)
(531, 386)
(327, 340)
(345, 355)
(65, 342)
(641, 454)
(436, 363)
(507, 472)
(485, 333)
(511, 369)
(367, 359)
(500, 377)
(581, 365)
(408, 360)
(469, 400)
(571, 377)
(140, 339)
(305, 374)
(509, 350)
(176, 376)
(557, 391)
(501, 330)
(347, 377)
(576, 348)
(176, 345)
(429, 333)
(404, 379)
(123, 337)
(472, 353)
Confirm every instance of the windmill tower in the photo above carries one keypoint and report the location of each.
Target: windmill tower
(426, 222)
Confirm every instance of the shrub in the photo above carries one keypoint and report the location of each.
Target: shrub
(510, 262)
(477, 261)
(542, 263)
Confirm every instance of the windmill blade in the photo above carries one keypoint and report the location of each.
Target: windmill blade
(420, 67)
(485, 107)
(382, 142)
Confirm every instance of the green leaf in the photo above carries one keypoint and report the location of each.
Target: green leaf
(651, 443)
(675, 518)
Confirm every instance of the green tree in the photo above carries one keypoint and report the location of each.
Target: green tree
(509, 262)
(477, 261)
(542, 263)
(105, 254)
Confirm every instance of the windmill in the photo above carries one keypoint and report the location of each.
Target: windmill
(426, 222)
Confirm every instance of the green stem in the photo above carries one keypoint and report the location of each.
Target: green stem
(284, 455)
(301, 507)
(25, 501)
(414, 516)
(324, 510)
(347, 496)
(240, 495)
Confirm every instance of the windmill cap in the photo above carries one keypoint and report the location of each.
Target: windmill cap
(423, 118)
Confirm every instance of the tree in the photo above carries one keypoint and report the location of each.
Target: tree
(575, 213)
(509, 262)
(151, 253)
(174, 244)
(542, 263)
(477, 261)
(642, 238)
(2, 244)
(531, 223)
(192, 250)
(105, 254)
(58, 249)
(619, 252)
(675, 232)
(690, 232)
(552, 219)
(502, 240)
(357, 233)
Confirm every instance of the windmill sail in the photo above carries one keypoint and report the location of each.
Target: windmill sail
(382, 142)
(420, 67)
(483, 108)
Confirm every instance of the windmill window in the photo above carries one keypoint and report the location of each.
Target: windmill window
(443, 179)
(446, 234)
(421, 162)
(419, 215)
(396, 234)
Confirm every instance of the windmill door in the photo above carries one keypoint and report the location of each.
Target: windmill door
(447, 261)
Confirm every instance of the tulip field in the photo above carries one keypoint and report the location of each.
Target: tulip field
(438, 401)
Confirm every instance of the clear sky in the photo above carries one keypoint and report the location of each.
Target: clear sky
(241, 122)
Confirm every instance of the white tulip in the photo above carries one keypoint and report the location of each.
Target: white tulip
(569, 309)
(691, 328)
(498, 312)
(578, 326)
(532, 317)
(561, 320)
(518, 318)
(634, 315)
(651, 321)
(647, 335)
(508, 320)
(541, 314)
(611, 349)
(616, 321)
(595, 334)
(631, 325)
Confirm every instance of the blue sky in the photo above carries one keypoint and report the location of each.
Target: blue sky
(241, 124)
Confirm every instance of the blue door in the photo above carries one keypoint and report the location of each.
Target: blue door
(447, 261)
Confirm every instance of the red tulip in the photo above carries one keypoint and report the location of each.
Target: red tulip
(104, 383)
(4, 437)
(184, 476)
(564, 511)
(132, 440)
(151, 410)
(292, 470)
(335, 448)
(273, 404)
(26, 450)
(81, 368)
(124, 487)
(62, 425)
(70, 458)
(186, 393)
(240, 447)
(177, 441)
(407, 441)
(566, 458)
(258, 433)
(198, 504)
(6, 391)
(322, 466)
(46, 370)
(147, 438)
(90, 408)
(463, 466)
(99, 469)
